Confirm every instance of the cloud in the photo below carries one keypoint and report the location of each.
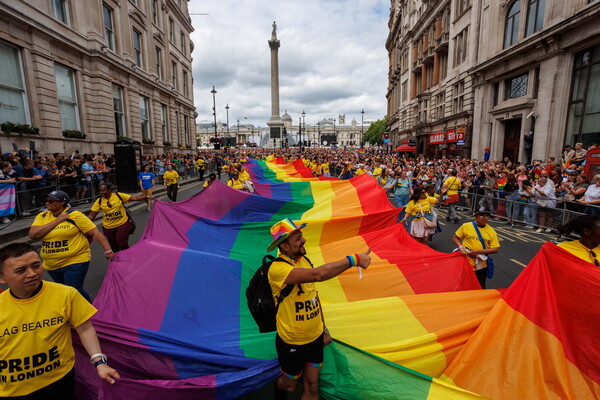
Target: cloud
(332, 58)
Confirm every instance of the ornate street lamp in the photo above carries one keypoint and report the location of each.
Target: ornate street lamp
(238, 132)
(362, 128)
(214, 92)
(227, 108)
(303, 123)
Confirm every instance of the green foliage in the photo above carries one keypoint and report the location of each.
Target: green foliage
(74, 134)
(167, 144)
(147, 141)
(19, 128)
(373, 135)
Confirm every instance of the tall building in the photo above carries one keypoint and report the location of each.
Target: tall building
(107, 68)
(520, 77)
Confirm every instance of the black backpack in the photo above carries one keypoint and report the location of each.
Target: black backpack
(260, 297)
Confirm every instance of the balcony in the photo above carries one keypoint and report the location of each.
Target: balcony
(428, 55)
(416, 65)
(442, 42)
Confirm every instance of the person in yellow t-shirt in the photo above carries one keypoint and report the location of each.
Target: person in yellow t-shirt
(419, 208)
(245, 178)
(361, 170)
(467, 241)
(171, 182)
(301, 333)
(36, 353)
(200, 166)
(211, 178)
(116, 224)
(450, 189)
(588, 246)
(325, 168)
(235, 181)
(65, 247)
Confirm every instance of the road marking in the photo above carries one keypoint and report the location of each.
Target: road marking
(518, 262)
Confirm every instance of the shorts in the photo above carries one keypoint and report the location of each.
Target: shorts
(147, 192)
(294, 357)
(452, 199)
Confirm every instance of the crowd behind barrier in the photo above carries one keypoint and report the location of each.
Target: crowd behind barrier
(482, 181)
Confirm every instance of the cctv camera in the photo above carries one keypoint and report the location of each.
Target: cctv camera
(531, 114)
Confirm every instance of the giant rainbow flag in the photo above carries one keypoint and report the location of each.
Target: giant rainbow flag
(173, 317)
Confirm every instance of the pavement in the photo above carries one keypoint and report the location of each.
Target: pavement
(19, 228)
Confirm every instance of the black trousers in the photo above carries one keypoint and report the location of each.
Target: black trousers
(172, 192)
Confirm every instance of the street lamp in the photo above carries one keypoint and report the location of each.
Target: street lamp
(214, 92)
(304, 123)
(227, 108)
(362, 128)
(334, 135)
(238, 132)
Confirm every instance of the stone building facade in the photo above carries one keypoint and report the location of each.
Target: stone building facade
(520, 77)
(108, 68)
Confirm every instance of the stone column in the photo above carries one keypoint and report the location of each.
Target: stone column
(275, 121)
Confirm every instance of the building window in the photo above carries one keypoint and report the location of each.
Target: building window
(61, 10)
(67, 97)
(137, 49)
(404, 90)
(184, 78)
(155, 12)
(443, 58)
(177, 133)
(458, 102)
(117, 93)
(440, 105)
(13, 97)
(535, 16)
(516, 87)
(186, 129)
(495, 94)
(171, 31)
(511, 28)
(144, 119)
(583, 123)
(460, 47)
(182, 41)
(109, 32)
(461, 6)
(174, 74)
(159, 71)
(164, 128)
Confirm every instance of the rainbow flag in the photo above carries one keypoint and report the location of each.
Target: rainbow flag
(542, 339)
(7, 199)
(172, 310)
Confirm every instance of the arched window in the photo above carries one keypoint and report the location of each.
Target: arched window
(511, 28)
(535, 16)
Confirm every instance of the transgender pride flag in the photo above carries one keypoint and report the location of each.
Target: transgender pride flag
(7, 199)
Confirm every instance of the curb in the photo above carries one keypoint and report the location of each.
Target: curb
(12, 234)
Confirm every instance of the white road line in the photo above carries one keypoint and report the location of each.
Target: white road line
(518, 262)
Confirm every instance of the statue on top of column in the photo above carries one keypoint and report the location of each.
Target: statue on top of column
(274, 33)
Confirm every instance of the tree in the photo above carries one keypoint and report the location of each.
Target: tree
(374, 134)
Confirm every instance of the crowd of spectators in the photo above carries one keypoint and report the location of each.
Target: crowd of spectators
(508, 188)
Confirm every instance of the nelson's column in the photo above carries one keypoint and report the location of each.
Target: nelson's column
(275, 123)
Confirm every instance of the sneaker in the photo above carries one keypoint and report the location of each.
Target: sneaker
(539, 230)
(149, 209)
(548, 230)
(6, 220)
(529, 227)
(25, 214)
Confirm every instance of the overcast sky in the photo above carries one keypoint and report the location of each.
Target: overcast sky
(332, 58)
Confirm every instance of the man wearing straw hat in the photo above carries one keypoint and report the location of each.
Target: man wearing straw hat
(301, 332)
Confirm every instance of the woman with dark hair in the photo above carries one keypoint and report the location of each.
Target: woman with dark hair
(65, 248)
(588, 246)
(419, 208)
(116, 224)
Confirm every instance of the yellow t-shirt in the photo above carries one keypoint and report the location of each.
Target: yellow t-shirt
(360, 171)
(200, 163)
(453, 185)
(412, 208)
(235, 183)
(244, 176)
(35, 337)
(65, 244)
(325, 167)
(171, 177)
(115, 215)
(299, 318)
(576, 248)
(470, 239)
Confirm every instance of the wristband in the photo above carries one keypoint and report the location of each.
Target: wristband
(108, 251)
(100, 361)
(101, 355)
(354, 260)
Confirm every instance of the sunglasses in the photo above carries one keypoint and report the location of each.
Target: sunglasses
(50, 201)
(594, 259)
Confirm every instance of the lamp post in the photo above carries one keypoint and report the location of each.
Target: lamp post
(362, 128)
(214, 92)
(303, 123)
(227, 109)
(238, 132)
(334, 135)
(300, 133)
